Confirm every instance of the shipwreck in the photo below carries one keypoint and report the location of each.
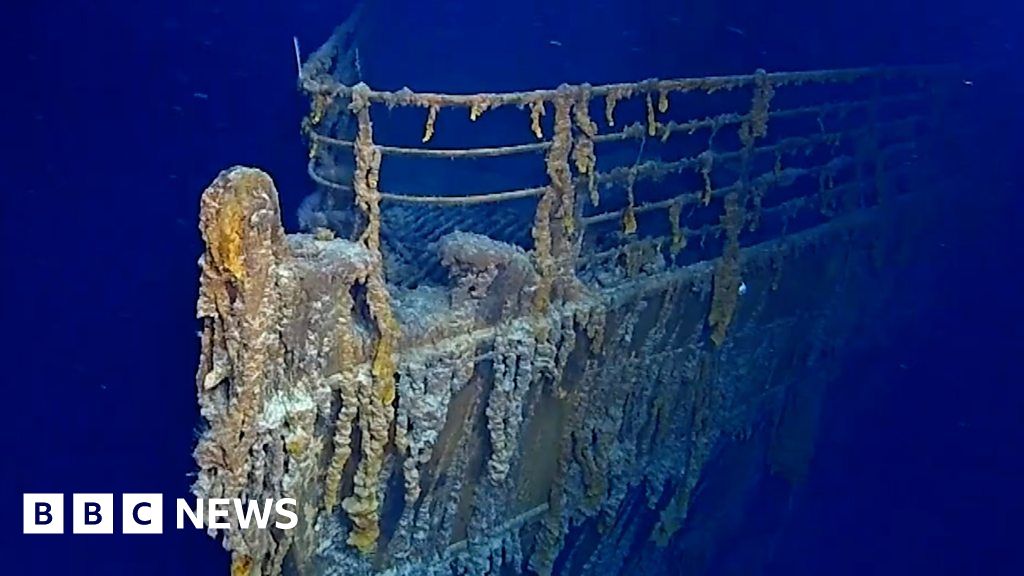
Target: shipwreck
(578, 373)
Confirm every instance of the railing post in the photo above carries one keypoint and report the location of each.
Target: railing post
(554, 227)
(376, 409)
(727, 278)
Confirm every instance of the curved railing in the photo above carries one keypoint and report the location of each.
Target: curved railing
(817, 146)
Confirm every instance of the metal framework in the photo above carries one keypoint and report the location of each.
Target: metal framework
(844, 147)
(624, 321)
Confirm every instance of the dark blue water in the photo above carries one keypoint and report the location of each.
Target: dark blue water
(119, 113)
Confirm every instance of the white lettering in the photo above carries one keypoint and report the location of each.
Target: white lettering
(218, 508)
(253, 509)
(195, 516)
(281, 510)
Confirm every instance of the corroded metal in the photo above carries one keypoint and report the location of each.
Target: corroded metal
(549, 392)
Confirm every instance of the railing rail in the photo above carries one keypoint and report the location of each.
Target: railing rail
(563, 213)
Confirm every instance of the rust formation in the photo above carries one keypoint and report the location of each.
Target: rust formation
(440, 399)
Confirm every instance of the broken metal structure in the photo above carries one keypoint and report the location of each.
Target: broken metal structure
(576, 376)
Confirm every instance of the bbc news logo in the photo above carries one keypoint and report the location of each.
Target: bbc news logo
(143, 513)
